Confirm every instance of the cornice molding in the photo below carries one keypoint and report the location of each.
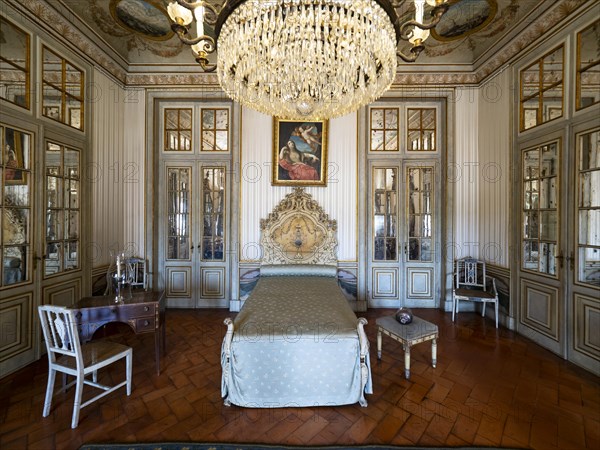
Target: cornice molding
(529, 37)
(68, 33)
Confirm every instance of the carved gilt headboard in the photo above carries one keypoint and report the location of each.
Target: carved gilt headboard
(298, 231)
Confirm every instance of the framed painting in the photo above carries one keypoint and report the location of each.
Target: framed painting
(299, 152)
(16, 156)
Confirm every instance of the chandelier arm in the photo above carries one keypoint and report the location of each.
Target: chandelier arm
(209, 42)
(206, 67)
(436, 14)
(415, 52)
(408, 59)
(211, 18)
(406, 32)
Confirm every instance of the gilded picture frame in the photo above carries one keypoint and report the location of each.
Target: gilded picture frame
(299, 152)
(16, 157)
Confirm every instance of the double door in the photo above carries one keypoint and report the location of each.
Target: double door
(559, 250)
(193, 228)
(404, 229)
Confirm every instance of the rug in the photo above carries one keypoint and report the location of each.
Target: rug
(195, 446)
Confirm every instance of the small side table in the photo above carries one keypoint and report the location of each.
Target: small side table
(417, 331)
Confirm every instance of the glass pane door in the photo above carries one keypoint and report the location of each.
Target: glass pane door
(588, 215)
(16, 180)
(540, 209)
(584, 262)
(178, 213)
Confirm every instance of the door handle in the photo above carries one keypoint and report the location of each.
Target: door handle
(571, 260)
(560, 258)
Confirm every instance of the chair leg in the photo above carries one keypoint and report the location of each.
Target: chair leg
(483, 309)
(496, 305)
(49, 392)
(454, 307)
(129, 364)
(77, 401)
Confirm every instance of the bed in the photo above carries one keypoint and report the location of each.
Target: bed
(296, 342)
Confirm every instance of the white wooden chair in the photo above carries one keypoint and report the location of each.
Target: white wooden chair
(67, 355)
(471, 284)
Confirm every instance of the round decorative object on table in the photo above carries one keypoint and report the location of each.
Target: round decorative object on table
(404, 316)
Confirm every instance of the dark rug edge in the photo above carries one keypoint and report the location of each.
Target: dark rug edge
(245, 446)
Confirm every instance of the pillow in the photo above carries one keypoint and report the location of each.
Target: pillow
(298, 270)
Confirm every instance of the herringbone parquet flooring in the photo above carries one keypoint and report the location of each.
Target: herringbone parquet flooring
(490, 388)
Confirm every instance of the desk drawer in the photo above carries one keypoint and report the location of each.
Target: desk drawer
(135, 311)
(145, 324)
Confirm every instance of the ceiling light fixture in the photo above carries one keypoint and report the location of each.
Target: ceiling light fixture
(303, 59)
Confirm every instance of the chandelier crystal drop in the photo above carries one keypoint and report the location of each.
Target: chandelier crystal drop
(305, 59)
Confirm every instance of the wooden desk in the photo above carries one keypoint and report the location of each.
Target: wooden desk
(144, 312)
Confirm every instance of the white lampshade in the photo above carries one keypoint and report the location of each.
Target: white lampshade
(179, 14)
(418, 34)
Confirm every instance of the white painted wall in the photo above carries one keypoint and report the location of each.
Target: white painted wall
(463, 174)
(494, 169)
(258, 197)
(134, 170)
(116, 170)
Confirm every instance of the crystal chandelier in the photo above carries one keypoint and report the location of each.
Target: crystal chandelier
(303, 59)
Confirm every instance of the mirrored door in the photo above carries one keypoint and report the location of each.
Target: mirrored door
(421, 236)
(584, 255)
(192, 234)
(542, 253)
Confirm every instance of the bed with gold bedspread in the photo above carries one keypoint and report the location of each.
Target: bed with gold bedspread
(296, 341)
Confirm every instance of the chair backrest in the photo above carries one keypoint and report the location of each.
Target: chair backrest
(470, 273)
(136, 272)
(60, 332)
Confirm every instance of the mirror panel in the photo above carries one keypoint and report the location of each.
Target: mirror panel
(15, 57)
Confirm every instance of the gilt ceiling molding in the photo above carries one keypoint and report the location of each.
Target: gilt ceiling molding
(529, 37)
(154, 79)
(55, 22)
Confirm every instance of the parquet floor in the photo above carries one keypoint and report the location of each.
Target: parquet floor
(490, 388)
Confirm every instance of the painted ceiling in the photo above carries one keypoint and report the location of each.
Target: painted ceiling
(139, 30)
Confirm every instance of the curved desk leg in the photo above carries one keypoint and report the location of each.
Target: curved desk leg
(434, 352)
(379, 343)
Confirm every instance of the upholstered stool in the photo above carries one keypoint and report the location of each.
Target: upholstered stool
(417, 331)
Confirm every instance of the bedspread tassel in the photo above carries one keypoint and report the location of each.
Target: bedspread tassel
(227, 362)
(364, 350)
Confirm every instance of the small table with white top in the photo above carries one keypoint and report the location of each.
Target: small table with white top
(414, 333)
